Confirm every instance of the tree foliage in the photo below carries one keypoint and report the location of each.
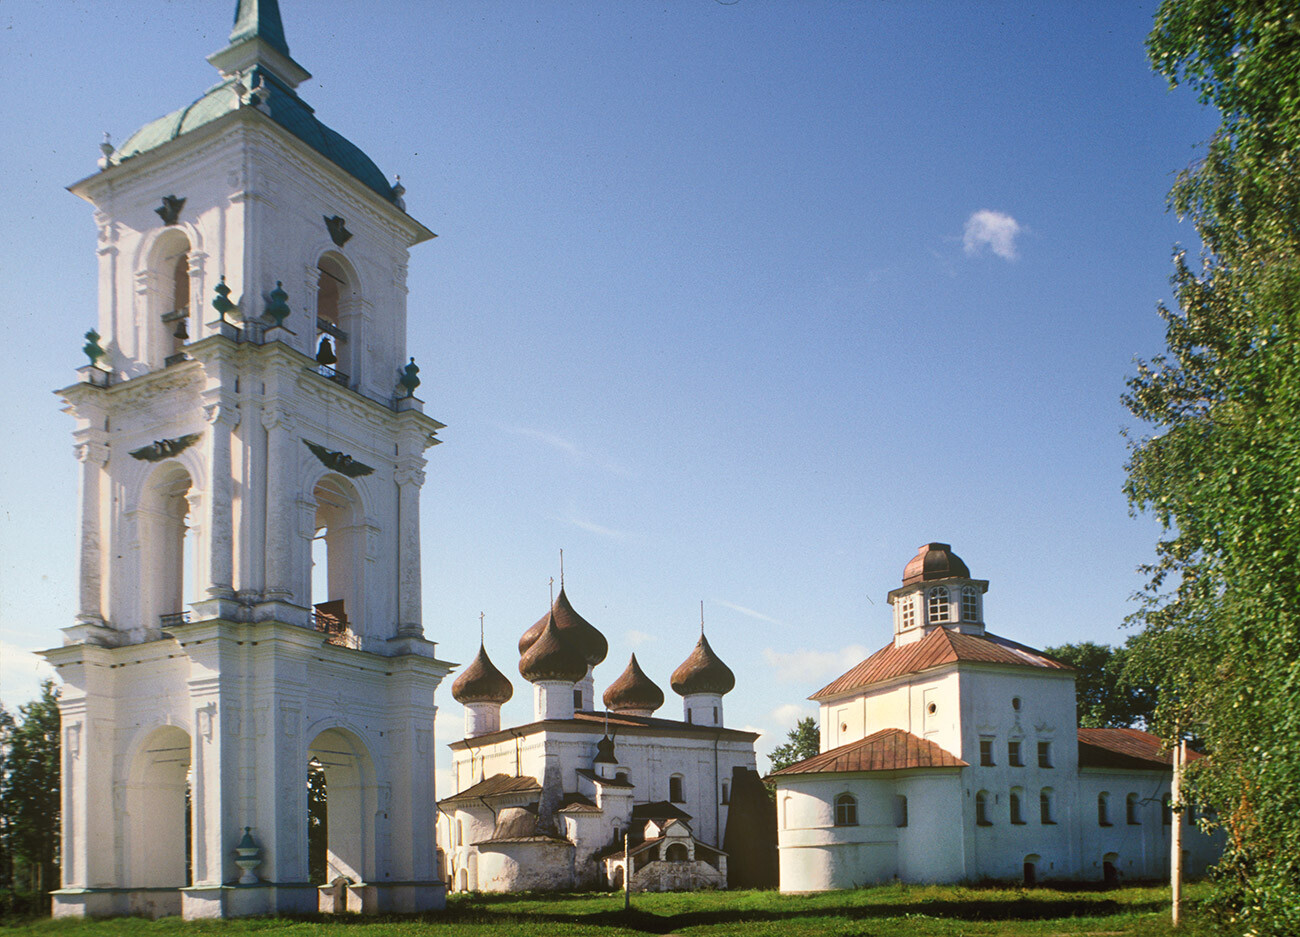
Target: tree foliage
(1107, 696)
(29, 794)
(1221, 468)
(803, 741)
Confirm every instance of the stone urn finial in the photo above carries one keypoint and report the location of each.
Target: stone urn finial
(409, 378)
(278, 309)
(248, 856)
(222, 302)
(92, 349)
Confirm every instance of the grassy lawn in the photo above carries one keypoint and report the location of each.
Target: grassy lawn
(885, 910)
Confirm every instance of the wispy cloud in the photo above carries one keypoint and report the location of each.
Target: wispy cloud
(569, 448)
(21, 674)
(596, 529)
(789, 713)
(748, 611)
(805, 666)
(635, 638)
(994, 230)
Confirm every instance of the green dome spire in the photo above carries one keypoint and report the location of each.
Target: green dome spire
(260, 19)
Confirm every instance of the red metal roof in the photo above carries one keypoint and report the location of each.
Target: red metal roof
(497, 784)
(1125, 748)
(937, 648)
(886, 750)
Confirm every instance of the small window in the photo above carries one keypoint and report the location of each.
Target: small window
(932, 709)
(900, 810)
(460, 833)
(675, 789)
(1013, 754)
(970, 603)
(1166, 811)
(1103, 809)
(907, 615)
(986, 753)
(982, 809)
(1131, 808)
(577, 699)
(715, 715)
(846, 810)
(1014, 804)
(726, 792)
(938, 610)
(1015, 703)
(1045, 807)
(1044, 754)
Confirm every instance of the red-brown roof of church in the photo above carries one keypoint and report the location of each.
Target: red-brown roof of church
(939, 647)
(886, 750)
(497, 784)
(1125, 748)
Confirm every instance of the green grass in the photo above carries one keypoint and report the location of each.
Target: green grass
(885, 910)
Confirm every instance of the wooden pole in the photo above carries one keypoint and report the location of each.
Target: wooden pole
(627, 874)
(1176, 839)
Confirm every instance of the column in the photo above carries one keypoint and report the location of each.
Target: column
(93, 456)
(409, 478)
(281, 504)
(223, 416)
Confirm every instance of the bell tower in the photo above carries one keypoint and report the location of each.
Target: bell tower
(252, 456)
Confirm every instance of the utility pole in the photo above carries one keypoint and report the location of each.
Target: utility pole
(627, 874)
(1176, 839)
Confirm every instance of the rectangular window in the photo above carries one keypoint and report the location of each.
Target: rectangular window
(1013, 755)
(675, 793)
(1044, 754)
(1045, 808)
(900, 810)
(726, 793)
(1015, 808)
(986, 753)
(908, 615)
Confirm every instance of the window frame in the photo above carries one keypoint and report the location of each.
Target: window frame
(1046, 807)
(986, 751)
(1015, 756)
(982, 809)
(1045, 754)
(846, 809)
(970, 604)
(938, 605)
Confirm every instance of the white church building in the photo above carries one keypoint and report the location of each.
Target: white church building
(252, 455)
(556, 803)
(952, 754)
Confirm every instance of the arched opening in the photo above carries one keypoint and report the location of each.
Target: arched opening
(317, 821)
(1103, 809)
(617, 883)
(1046, 815)
(157, 811)
(335, 302)
(1110, 869)
(1031, 870)
(1132, 813)
(347, 802)
(1014, 802)
(676, 852)
(464, 880)
(846, 810)
(338, 557)
(168, 308)
(168, 547)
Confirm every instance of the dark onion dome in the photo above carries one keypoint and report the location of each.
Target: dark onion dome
(633, 690)
(605, 752)
(576, 630)
(934, 561)
(481, 682)
(552, 657)
(703, 672)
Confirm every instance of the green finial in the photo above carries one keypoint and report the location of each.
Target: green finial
(409, 380)
(222, 303)
(277, 308)
(93, 350)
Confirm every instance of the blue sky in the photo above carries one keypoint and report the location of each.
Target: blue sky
(734, 302)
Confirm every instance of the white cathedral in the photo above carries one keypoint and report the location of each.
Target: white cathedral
(952, 754)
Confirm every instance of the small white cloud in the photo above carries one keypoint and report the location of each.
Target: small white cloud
(788, 714)
(591, 528)
(635, 638)
(992, 229)
(21, 674)
(747, 611)
(805, 666)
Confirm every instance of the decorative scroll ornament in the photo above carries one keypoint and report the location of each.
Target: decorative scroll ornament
(92, 349)
(339, 232)
(340, 462)
(222, 303)
(170, 210)
(278, 309)
(409, 378)
(161, 449)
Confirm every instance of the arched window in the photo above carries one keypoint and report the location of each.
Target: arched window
(982, 809)
(846, 810)
(334, 322)
(166, 295)
(675, 792)
(460, 832)
(1045, 807)
(1103, 809)
(907, 612)
(938, 610)
(1131, 806)
(168, 548)
(785, 812)
(676, 852)
(1014, 804)
(970, 603)
(338, 557)
(900, 810)
(1031, 869)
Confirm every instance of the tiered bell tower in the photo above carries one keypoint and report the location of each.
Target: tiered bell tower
(252, 460)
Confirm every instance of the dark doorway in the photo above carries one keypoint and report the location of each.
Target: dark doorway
(1031, 874)
(1109, 874)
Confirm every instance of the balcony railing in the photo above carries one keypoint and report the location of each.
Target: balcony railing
(330, 620)
(171, 619)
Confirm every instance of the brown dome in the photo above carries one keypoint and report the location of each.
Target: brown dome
(552, 657)
(703, 672)
(481, 682)
(633, 691)
(934, 561)
(576, 630)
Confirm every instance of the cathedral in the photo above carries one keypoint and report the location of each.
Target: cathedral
(582, 798)
(953, 754)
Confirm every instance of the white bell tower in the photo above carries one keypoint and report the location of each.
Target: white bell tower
(252, 459)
